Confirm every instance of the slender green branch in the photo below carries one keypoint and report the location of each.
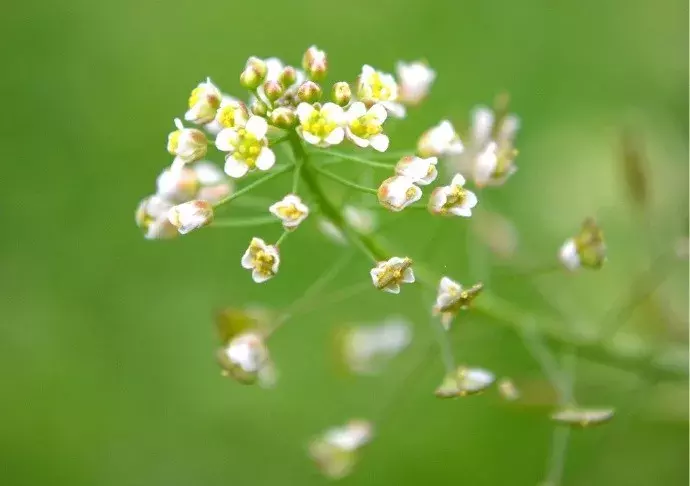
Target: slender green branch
(278, 140)
(344, 182)
(353, 158)
(244, 222)
(282, 237)
(271, 175)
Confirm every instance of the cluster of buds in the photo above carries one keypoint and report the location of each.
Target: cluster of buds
(586, 249)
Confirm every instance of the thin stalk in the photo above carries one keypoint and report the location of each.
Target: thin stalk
(244, 222)
(353, 158)
(271, 175)
(344, 182)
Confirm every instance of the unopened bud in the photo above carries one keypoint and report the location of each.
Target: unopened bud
(273, 90)
(586, 249)
(259, 108)
(250, 78)
(191, 215)
(309, 92)
(257, 65)
(283, 117)
(287, 77)
(315, 63)
(341, 94)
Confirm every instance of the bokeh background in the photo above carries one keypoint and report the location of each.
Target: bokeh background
(108, 374)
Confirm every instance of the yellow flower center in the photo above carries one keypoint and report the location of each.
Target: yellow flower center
(226, 116)
(393, 274)
(455, 198)
(174, 141)
(248, 148)
(410, 193)
(289, 212)
(379, 90)
(366, 126)
(263, 262)
(318, 124)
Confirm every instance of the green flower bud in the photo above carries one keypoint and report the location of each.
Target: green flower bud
(283, 117)
(259, 108)
(309, 92)
(251, 78)
(287, 77)
(341, 94)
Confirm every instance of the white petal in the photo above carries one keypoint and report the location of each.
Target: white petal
(356, 110)
(247, 260)
(235, 168)
(408, 275)
(360, 142)
(379, 142)
(304, 111)
(257, 126)
(333, 112)
(266, 159)
(482, 123)
(458, 180)
(460, 211)
(224, 140)
(336, 136)
(470, 200)
(430, 177)
(416, 197)
(378, 111)
(309, 137)
(393, 288)
(395, 109)
(375, 272)
(260, 277)
(569, 256)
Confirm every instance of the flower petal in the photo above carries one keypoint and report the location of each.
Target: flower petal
(247, 260)
(356, 110)
(257, 126)
(234, 168)
(408, 275)
(304, 111)
(360, 142)
(336, 136)
(260, 277)
(379, 142)
(266, 159)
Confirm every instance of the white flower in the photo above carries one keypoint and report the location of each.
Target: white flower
(568, 255)
(231, 113)
(177, 186)
(451, 298)
(421, 171)
(262, 259)
(191, 215)
(494, 165)
(465, 381)
(203, 103)
(186, 144)
(483, 126)
(335, 452)
(439, 140)
(583, 417)
(365, 128)
(377, 87)
(152, 217)
(321, 126)
(388, 275)
(415, 80)
(248, 148)
(290, 210)
(367, 348)
(508, 390)
(215, 185)
(398, 192)
(453, 199)
(246, 358)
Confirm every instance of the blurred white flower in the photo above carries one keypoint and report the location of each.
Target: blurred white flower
(335, 452)
(420, 171)
(464, 381)
(248, 148)
(214, 184)
(398, 192)
(377, 87)
(453, 199)
(366, 349)
(191, 215)
(484, 129)
(186, 144)
(262, 259)
(203, 103)
(415, 80)
(494, 165)
(440, 140)
(322, 126)
(587, 249)
(152, 217)
(365, 127)
(246, 359)
(177, 186)
(582, 417)
(290, 210)
(389, 275)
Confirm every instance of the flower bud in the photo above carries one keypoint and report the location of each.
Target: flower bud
(273, 90)
(186, 144)
(250, 78)
(309, 92)
(283, 117)
(259, 108)
(587, 249)
(258, 65)
(341, 94)
(191, 215)
(287, 77)
(315, 63)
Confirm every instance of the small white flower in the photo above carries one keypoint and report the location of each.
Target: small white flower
(568, 255)
(365, 127)
(231, 113)
(290, 210)
(483, 126)
(177, 186)
(262, 259)
(367, 348)
(451, 298)
(248, 148)
(215, 185)
(388, 275)
(583, 417)
(465, 381)
(186, 144)
(421, 171)
(440, 140)
(398, 192)
(191, 215)
(203, 103)
(335, 452)
(415, 80)
(494, 165)
(322, 126)
(377, 87)
(152, 217)
(508, 390)
(246, 359)
(453, 199)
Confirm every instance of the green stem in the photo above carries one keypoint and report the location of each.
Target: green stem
(344, 182)
(647, 363)
(244, 222)
(354, 158)
(271, 175)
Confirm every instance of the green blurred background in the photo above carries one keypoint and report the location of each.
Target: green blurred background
(107, 339)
